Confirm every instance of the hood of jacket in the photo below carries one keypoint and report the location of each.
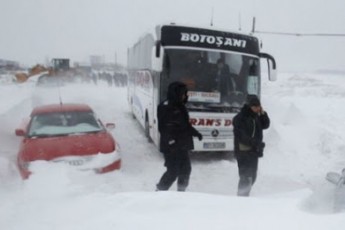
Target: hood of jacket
(175, 92)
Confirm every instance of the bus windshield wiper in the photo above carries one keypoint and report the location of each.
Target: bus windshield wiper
(225, 107)
(212, 107)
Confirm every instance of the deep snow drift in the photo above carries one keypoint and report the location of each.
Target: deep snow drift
(305, 141)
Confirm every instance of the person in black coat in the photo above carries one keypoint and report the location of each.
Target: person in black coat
(176, 137)
(225, 81)
(249, 124)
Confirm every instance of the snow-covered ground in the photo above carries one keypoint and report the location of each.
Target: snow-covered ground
(305, 141)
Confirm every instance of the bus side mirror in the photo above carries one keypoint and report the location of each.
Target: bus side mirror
(272, 73)
(272, 67)
(158, 49)
(157, 57)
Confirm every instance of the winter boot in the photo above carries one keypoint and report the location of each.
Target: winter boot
(244, 186)
(181, 188)
(182, 183)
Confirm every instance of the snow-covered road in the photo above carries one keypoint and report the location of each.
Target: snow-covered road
(305, 136)
(304, 142)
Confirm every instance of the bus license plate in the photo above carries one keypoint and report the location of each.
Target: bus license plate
(214, 145)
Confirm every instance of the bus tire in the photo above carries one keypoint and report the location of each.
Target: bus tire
(147, 129)
(132, 111)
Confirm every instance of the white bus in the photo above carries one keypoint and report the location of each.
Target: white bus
(193, 56)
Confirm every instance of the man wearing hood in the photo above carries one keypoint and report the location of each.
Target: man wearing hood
(176, 137)
(249, 124)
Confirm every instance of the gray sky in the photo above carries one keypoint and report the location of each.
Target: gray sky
(33, 30)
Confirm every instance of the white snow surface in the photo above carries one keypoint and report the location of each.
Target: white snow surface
(305, 141)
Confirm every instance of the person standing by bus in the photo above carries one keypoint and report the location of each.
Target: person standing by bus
(176, 137)
(249, 124)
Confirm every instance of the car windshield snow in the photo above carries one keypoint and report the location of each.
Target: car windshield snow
(63, 123)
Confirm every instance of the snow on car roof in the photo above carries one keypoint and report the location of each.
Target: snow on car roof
(60, 108)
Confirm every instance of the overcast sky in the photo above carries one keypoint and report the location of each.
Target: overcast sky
(35, 30)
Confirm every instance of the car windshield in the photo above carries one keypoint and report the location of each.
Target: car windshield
(217, 81)
(63, 123)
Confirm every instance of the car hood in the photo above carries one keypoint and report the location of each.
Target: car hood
(73, 145)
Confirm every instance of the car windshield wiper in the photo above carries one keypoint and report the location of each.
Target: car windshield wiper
(85, 132)
(94, 131)
(48, 135)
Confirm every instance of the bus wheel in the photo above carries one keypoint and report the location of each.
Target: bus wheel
(132, 111)
(147, 130)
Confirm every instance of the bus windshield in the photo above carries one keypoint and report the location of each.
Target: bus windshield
(217, 81)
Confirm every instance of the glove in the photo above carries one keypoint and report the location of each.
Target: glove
(199, 136)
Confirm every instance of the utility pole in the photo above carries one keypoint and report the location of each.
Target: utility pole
(253, 26)
(239, 22)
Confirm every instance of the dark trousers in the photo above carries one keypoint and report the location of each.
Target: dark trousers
(178, 167)
(247, 168)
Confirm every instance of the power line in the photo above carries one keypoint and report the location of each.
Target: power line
(295, 34)
(300, 34)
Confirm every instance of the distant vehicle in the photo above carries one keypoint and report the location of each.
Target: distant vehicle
(68, 133)
(219, 67)
(61, 64)
(61, 67)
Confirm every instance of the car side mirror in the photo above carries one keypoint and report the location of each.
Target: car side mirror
(110, 126)
(20, 132)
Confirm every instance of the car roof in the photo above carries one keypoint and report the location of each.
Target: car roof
(53, 108)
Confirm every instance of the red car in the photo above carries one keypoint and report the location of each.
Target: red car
(69, 133)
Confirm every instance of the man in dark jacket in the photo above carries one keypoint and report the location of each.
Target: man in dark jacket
(176, 137)
(248, 131)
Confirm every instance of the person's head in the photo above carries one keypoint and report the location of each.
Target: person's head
(220, 63)
(194, 57)
(177, 93)
(254, 103)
